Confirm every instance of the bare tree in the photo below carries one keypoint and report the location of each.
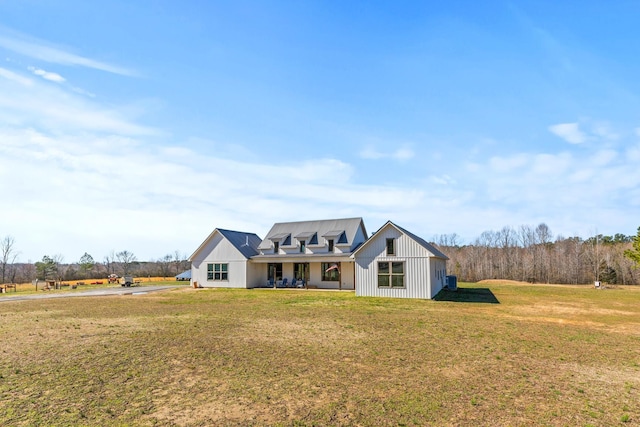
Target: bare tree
(127, 260)
(8, 255)
(109, 262)
(179, 260)
(165, 265)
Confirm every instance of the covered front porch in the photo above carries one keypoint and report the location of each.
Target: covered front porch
(328, 272)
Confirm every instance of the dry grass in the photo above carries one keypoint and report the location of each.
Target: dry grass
(541, 356)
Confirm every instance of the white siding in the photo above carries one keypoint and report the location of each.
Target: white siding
(421, 276)
(256, 275)
(219, 250)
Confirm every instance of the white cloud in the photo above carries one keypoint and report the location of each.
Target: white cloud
(34, 103)
(47, 75)
(44, 51)
(371, 153)
(14, 77)
(402, 154)
(570, 132)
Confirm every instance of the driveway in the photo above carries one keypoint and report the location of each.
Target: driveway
(135, 290)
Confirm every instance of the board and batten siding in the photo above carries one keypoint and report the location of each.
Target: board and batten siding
(219, 250)
(421, 276)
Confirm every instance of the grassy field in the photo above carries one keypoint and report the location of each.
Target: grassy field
(492, 354)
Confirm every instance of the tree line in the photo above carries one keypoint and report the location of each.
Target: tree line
(54, 267)
(532, 254)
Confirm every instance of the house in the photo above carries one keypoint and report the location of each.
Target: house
(396, 263)
(222, 260)
(324, 254)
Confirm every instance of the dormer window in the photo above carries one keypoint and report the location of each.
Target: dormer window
(330, 243)
(276, 247)
(303, 246)
(391, 246)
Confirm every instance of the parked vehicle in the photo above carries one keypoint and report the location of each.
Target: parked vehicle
(126, 281)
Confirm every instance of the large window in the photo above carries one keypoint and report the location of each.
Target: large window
(218, 272)
(390, 274)
(330, 271)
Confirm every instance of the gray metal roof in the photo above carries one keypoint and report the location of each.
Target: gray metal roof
(246, 243)
(322, 227)
(184, 275)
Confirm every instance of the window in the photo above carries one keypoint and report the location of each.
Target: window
(330, 242)
(330, 271)
(274, 271)
(301, 270)
(276, 247)
(218, 272)
(390, 274)
(391, 247)
(302, 246)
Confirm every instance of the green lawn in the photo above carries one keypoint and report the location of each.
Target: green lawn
(495, 355)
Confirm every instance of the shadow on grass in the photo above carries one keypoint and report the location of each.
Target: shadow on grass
(468, 295)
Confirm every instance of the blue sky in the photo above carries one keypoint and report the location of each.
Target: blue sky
(144, 125)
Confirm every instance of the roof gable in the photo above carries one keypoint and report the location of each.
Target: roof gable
(428, 246)
(245, 243)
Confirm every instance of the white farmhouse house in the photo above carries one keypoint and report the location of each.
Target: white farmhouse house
(326, 254)
(222, 260)
(397, 263)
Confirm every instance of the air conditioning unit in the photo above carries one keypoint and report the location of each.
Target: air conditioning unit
(452, 283)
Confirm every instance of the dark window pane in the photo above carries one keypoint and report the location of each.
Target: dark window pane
(391, 247)
(225, 276)
(224, 267)
(397, 281)
(397, 267)
(383, 281)
(209, 267)
(383, 268)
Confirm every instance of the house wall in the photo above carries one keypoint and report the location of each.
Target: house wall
(219, 250)
(346, 276)
(256, 275)
(420, 267)
(438, 275)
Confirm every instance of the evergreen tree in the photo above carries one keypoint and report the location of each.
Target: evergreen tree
(634, 254)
